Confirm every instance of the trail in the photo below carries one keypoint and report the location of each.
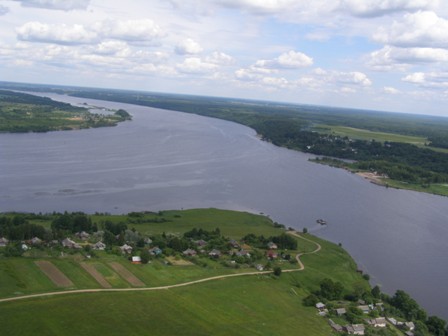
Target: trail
(218, 277)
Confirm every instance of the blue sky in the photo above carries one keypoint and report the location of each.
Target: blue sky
(389, 55)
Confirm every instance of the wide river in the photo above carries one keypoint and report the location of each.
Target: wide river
(171, 160)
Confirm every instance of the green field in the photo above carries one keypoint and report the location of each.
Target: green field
(363, 134)
(246, 305)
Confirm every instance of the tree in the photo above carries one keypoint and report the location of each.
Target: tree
(145, 256)
(436, 326)
(331, 290)
(277, 271)
(376, 292)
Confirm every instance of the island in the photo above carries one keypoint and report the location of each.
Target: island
(188, 272)
(21, 112)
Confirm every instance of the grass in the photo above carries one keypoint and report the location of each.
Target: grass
(232, 224)
(437, 189)
(240, 306)
(247, 305)
(363, 134)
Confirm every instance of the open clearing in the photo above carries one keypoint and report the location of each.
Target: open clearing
(96, 275)
(54, 274)
(125, 274)
(362, 134)
(179, 262)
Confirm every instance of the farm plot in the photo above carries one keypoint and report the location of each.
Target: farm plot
(54, 274)
(89, 268)
(127, 275)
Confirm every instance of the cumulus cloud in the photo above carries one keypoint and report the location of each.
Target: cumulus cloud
(421, 29)
(434, 80)
(129, 30)
(289, 60)
(220, 58)
(195, 65)
(375, 8)
(345, 78)
(56, 33)
(399, 59)
(390, 90)
(188, 47)
(66, 5)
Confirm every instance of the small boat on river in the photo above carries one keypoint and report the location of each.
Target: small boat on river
(321, 222)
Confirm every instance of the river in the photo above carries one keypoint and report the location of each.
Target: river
(172, 160)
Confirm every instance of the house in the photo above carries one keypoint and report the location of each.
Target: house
(136, 260)
(3, 242)
(341, 311)
(201, 242)
(155, 251)
(35, 241)
(147, 241)
(336, 327)
(24, 247)
(83, 235)
(272, 246)
(259, 267)
(271, 254)
(320, 306)
(409, 325)
(242, 253)
(392, 320)
(234, 243)
(189, 252)
(100, 246)
(127, 249)
(67, 242)
(365, 309)
(379, 322)
(355, 329)
(214, 253)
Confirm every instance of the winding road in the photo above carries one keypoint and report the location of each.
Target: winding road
(96, 290)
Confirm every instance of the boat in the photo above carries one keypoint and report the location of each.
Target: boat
(321, 222)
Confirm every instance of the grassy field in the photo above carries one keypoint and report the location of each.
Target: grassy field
(247, 305)
(362, 134)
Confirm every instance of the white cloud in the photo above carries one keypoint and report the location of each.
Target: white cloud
(347, 90)
(130, 30)
(435, 80)
(66, 5)
(220, 58)
(194, 65)
(421, 29)
(375, 8)
(111, 47)
(55, 33)
(293, 59)
(188, 47)
(390, 90)
(346, 78)
(399, 59)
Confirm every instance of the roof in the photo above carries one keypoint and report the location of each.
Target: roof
(341, 311)
(320, 305)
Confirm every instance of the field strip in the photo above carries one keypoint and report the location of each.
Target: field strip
(126, 275)
(89, 268)
(54, 274)
(218, 277)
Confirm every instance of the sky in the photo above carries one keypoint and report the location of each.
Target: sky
(389, 55)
